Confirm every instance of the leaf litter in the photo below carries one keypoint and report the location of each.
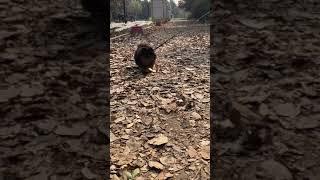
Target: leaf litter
(50, 93)
(266, 82)
(160, 104)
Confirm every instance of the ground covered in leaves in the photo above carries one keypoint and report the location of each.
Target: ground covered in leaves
(160, 122)
(53, 93)
(265, 82)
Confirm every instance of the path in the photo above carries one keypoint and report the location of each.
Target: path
(172, 103)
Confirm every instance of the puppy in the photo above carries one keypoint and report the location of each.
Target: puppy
(145, 58)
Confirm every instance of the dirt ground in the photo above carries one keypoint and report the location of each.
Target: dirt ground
(265, 82)
(160, 122)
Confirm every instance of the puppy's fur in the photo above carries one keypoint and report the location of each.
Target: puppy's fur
(145, 58)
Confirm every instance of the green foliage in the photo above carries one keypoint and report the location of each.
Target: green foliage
(145, 14)
(174, 8)
(116, 9)
(135, 8)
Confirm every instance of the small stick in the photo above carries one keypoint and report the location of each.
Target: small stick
(197, 173)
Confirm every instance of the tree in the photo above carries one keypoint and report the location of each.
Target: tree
(145, 14)
(116, 9)
(135, 8)
(196, 8)
(174, 8)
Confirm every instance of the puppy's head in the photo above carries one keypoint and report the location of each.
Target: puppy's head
(146, 50)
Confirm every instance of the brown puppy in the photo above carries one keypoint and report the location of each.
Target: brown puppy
(145, 58)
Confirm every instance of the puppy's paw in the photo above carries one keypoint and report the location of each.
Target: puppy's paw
(151, 70)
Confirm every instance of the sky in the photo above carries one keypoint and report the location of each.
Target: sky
(176, 1)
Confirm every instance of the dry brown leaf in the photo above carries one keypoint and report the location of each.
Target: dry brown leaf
(206, 100)
(157, 165)
(196, 116)
(161, 176)
(132, 102)
(114, 177)
(88, 174)
(263, 109)
(159, 140)
(308, 122)
(7, 94)
(113, 137)
(120, 119)
(287, 109)
(199, 96)
(205, 143)
(170, 107)
(168, 175)
(205, 152)
(192, 152)
(167, 160)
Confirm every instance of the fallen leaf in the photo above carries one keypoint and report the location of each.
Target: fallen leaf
(15, 78)
(204, 143)
(120, 119)
(127, 174)
(253, 99)
(135, 172)
(170, 107)
(198, 96)
(41, 176)
(308, 122)
(161, 176)
(286, 109)
(168, 175)
(45, 126)
(75, 130)
(205, 152)
(159, 140)
(6, 95)
(88, 174)
(309, 91)
(206, 100)
(263, 109)
(10, 131)
(189, 69)
(157, 165)
(192, 152)
(29, 91)
(167, 160)
(132, 102)
(255, 24)
(196, 116)
(246, 112)
(114, 177)
(112, 137)
(275, 170)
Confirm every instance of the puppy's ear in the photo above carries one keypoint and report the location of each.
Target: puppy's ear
(152, 51)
